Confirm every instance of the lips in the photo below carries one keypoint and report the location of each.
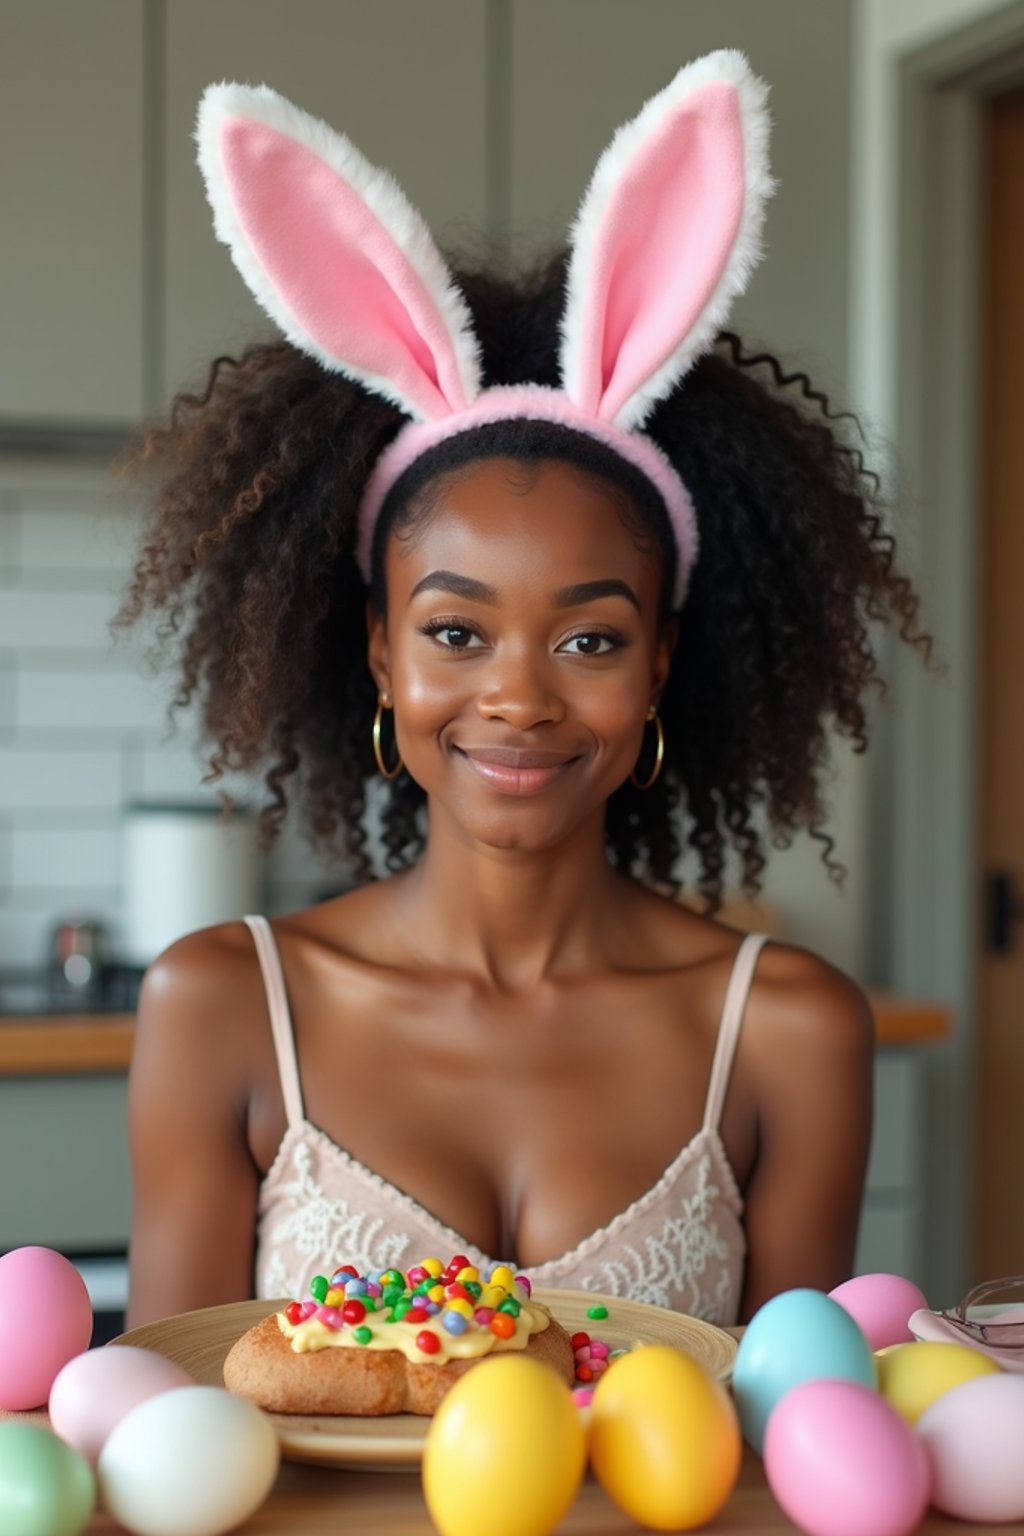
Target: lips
(516, 770)
(517, 757)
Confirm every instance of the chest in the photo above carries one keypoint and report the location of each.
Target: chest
(524, 1123)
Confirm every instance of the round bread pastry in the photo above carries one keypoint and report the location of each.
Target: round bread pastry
(396, 1351)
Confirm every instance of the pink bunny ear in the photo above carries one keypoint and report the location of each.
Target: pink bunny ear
(666, 237)
(335, 254)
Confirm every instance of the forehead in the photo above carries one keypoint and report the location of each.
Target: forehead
(503, 521)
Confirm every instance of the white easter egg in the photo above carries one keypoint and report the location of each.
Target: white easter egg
(974, 1437)
(195, 1461)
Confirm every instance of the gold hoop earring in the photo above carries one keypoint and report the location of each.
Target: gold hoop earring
(378, 754)
(659, 754)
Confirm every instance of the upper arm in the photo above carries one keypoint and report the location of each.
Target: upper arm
(194, 1180)
(814, 1048)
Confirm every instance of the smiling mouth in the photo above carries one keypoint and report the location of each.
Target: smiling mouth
(515, 771)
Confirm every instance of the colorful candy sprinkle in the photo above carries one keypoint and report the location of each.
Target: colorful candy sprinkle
(597, 1313)
(456, 1293)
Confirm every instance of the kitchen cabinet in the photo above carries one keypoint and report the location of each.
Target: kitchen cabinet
(72, 172)
(115, 292)
(64, 1153)
(566, 101)
(373, 72)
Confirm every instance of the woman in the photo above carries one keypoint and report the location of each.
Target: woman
(518, 1046)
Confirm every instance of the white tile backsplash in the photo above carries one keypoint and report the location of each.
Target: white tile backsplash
(72, 780)
(55, 537)
(96, 700)
(83, 731)
(54, 858)
(45, 618)
(174, 770)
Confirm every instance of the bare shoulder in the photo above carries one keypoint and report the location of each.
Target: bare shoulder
(204, 992)
(200, 960)
(802, 1009)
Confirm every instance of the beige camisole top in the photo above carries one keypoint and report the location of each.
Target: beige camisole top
(680, 1245)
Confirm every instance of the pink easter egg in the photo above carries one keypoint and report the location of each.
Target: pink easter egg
(95, 1390)
(45, 1320)
(842, 1462)
(881, 1306)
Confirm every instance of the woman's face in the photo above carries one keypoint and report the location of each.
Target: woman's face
(521, 650)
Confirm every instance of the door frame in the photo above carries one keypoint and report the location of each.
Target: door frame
(923, 837)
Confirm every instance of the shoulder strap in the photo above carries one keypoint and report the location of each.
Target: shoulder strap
(280, 1017)
(730, 1024)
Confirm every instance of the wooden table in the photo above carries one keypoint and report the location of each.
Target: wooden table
(308, 1501)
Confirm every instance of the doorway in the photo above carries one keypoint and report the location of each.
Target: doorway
(999, 1089)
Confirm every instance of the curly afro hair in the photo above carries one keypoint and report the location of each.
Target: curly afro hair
(248, 559)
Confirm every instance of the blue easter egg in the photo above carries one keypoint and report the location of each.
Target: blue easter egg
(800, 1335)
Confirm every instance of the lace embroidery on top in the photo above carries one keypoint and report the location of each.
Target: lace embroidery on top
(680, 1245)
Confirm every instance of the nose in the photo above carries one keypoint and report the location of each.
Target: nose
(521, 690)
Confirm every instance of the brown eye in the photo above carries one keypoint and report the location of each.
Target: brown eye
(590, 644)
(453, 637)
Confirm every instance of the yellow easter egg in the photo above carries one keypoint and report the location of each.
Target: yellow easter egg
(664, 1440)
(505, 1452)
(912, 1376)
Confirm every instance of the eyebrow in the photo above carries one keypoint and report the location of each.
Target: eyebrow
(565, 597)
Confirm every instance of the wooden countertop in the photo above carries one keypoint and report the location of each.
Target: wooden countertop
(54, 1044)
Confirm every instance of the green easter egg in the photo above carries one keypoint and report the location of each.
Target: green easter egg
(46, 1488)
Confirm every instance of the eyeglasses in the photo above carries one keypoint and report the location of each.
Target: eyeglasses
(1001, 1328)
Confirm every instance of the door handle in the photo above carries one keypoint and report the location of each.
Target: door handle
(1004, 910)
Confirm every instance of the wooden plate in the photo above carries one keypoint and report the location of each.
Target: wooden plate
(199, 1342)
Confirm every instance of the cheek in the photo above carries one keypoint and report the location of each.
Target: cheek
(428, 693)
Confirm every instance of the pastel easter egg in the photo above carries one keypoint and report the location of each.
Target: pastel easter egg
(194, 1461)
(505, 1452)
(974, 1438)
(45, 1320)
(95, 1390)
(842, 1462)
(664, 1439)
(797, 1336)
(46, 1489)
(881, 1306)
(912, 1376)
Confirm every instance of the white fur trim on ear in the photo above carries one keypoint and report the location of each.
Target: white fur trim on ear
(383, 197)
(728, 66)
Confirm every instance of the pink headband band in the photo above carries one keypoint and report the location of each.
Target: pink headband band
(666, 237)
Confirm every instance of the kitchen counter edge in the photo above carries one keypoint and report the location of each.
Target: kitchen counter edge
(58, 1044)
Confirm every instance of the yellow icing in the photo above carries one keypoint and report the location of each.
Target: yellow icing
(311, 1335)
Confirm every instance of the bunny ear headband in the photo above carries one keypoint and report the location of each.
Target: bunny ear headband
(666, 237)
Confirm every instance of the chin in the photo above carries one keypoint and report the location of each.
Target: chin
(515, 833)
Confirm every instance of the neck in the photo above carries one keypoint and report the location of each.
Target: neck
(507, 917)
